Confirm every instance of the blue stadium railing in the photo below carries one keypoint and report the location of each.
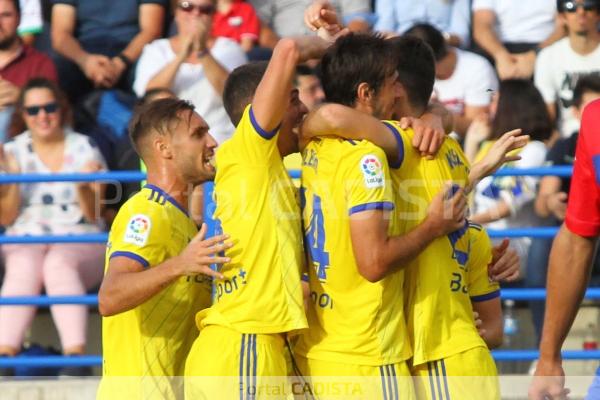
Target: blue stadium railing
(135, 176)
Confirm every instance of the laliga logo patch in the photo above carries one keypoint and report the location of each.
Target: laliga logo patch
(372, 171)
(138, 230)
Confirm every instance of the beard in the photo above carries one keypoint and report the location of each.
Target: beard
(8, 41)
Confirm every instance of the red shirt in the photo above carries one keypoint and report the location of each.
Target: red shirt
(241, 21)
(30, 63)
(583, 209)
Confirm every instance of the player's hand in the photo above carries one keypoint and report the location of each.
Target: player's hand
(506, 263)
(447, 211)
(321, 14)
(478, 324)
(499, 153)
(548, 382)
(557, 204)
(429, 133)
(200, 253)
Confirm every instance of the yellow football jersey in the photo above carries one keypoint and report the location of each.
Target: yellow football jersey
(257, 205)
(439, 311)
(154, 338)
(351, 320)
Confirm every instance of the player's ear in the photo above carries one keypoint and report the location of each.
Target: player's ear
(162, 147)
(364, 94)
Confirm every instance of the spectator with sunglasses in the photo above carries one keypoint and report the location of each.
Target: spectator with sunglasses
(49, 146)
(562, 64)
(98, 41)
(193, 64)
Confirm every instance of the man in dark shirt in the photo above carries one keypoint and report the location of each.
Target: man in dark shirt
(98, 41)
(18, 62)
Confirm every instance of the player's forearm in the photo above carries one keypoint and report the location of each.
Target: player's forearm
(310, 48)
(126, 290)
(345, 122)
(568, 275)
(401, 250)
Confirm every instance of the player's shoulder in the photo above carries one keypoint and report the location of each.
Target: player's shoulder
(148, 203)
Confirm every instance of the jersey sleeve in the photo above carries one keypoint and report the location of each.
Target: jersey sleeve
(402, 141)
(140, 233)
(250, 143)
(583, 207)
(480, 256)
(367, 180)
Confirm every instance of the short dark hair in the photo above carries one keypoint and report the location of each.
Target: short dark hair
(240, 88)
(352, 60)
(156, 116)
(416, 69)
(520, 105)
(585, 84)
(432, 37)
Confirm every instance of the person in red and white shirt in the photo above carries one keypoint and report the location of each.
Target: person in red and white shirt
(571, 258)
(236, 20)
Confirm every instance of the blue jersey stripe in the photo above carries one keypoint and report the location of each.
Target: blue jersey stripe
(431, 384)
(485, 297)
(437, 381)
(131, 255)
(264, 134)
(383, 383)
(447, 390)
(399, 145)
(255, 356)
(395, 381)
(241, 373)
(379, 205)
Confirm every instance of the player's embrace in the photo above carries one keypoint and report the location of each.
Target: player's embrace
(156, 259)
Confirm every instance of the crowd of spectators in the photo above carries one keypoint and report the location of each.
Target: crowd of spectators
(500, 65)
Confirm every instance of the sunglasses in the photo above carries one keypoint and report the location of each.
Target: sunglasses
(571, 6)
(48, 108)
(188, 7)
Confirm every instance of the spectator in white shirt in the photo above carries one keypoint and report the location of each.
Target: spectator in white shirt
(512, 31)
(464, 80)
(193, 64)
(452, 18)
(560, 65)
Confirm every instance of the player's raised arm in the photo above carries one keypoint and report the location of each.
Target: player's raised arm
(273, 93)
(342, 121)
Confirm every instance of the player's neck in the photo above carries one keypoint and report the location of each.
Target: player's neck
(170, 184)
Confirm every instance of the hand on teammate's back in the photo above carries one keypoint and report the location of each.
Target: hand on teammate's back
(429, 133)
(200, 253)
(447, 211)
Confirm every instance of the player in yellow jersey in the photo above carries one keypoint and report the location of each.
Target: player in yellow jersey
(157, 273)
(471, 373)
(356, 319)
(431, 301)
(259, 299)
